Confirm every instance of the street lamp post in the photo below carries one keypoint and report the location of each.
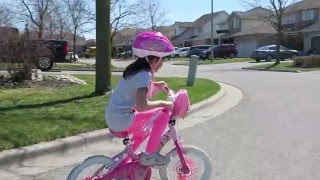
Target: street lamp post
(211, 31)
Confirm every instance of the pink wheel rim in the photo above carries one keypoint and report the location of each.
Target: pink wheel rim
(190, 175)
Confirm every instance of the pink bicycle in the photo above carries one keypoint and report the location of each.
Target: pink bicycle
(182, 162)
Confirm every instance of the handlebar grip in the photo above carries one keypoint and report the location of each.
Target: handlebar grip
(166, 88)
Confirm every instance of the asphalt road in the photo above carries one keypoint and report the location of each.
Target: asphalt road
(273, 134)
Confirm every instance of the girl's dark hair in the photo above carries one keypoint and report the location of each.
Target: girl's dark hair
(141, 64)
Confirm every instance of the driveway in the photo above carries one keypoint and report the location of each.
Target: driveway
(272, 134)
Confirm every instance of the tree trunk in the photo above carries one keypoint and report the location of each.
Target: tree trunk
(103, 56)
(40, 33)
(279, 40)
(74, 44)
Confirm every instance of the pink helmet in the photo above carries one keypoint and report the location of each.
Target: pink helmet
(152, 44)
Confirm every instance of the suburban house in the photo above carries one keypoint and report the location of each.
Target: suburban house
(302, 26)
(247, 31)
(8, 32)
(199, 31)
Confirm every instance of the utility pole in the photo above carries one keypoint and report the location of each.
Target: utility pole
(103, 44)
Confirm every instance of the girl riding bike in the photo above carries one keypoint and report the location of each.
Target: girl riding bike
(129, 108)
(130, 112)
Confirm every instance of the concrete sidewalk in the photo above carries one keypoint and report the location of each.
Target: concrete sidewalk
(32, 161)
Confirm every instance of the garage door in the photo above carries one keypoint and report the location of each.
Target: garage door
(245, 48)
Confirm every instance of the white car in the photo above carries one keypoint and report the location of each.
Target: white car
(180, 52)
(70, 57)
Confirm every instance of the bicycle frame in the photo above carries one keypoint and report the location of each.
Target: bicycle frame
(121, 158)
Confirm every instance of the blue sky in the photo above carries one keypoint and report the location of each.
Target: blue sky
(190, 10)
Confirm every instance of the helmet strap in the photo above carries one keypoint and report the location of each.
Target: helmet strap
(152, 70)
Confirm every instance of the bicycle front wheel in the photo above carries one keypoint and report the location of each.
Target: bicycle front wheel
(196, 159)
(93, 168)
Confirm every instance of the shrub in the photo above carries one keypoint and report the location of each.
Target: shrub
(307, 61)
(19, 55)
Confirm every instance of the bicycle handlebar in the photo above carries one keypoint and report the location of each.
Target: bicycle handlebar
(171, 96)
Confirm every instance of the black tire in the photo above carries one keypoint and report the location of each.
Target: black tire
(45, 63)
(231, 55)
(176, 56)
(257, 60)
(269, 58)
(209, 56)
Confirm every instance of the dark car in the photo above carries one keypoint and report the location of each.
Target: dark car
(269, 52)
(220, 51)
(196, 50)
(57, 51)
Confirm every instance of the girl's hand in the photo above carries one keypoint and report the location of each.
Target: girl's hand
(168, 104)
(160, 84)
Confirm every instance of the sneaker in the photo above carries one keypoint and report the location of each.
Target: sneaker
(155, 160)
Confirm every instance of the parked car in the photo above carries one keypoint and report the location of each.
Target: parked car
(58, 49)
(91, 52)
(196, 50)
(71, 57)
(220, 51)
(268, 53)
(180, 52)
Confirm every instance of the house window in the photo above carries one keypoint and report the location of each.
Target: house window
(199, 30)
(308, 15)
(235, 23)
(222, 26)
(289, 19)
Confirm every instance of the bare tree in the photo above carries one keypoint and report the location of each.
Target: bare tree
(78, 10)
(58, 20)
(272, 12)
(123, 15)
(36, 11)
(155, 14)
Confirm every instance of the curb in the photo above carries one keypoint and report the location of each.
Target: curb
(17, 156)
(274, 70)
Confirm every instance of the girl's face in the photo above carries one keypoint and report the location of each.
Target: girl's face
(156, 64)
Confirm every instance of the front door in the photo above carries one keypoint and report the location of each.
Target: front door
(315, 45)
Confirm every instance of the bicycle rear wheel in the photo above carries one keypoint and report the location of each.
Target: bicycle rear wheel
(93, 168)
(197, 160)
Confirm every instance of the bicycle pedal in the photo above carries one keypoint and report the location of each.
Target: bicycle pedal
(153, 160)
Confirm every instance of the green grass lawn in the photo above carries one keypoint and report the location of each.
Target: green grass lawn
(185, 61)
(284, 66)
(30, 116)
